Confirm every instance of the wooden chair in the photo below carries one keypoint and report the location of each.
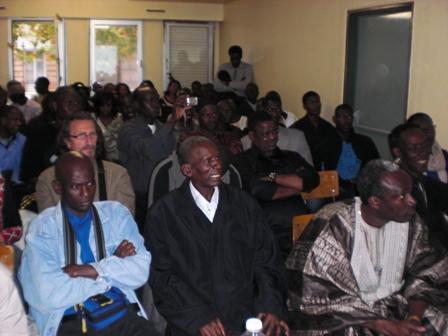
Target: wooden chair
(7, 256)
(328, 186)
(299, 224)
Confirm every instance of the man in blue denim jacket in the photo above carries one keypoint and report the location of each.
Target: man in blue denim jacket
(52, 287)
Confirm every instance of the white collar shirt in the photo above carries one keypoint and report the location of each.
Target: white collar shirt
(152, 127)
(208, 208)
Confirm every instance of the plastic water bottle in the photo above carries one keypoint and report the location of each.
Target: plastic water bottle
(254, 327)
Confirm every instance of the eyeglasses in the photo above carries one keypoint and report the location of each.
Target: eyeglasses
(84, 136)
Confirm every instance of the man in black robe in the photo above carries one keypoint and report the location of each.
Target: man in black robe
(215, 262)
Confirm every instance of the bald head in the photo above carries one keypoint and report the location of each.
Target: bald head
(185, 148)
(70, 161)
(75, 182)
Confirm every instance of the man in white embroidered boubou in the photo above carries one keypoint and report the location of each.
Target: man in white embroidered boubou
(366, 266)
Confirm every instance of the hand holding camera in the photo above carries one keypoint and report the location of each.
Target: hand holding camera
(184, 103)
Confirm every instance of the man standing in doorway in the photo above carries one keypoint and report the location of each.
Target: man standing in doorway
(239, 74)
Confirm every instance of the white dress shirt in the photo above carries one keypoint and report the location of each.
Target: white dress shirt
(208, 208)
(241, 76)
(378, 257)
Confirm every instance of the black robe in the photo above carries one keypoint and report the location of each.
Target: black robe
(230, 269)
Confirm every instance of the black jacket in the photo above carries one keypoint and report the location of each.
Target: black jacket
(432, 206)
(363, 146)
(41, 133)
(253, 166)
(318, 139)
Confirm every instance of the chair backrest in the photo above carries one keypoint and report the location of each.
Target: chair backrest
(328, 186)
(299, 224)
(159, 181)
(7, 256)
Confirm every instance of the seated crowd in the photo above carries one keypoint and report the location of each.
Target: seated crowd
(192, 202)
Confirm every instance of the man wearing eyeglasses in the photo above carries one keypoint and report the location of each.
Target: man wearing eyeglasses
(79, 133)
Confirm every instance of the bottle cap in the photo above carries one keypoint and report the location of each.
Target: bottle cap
(254, 325)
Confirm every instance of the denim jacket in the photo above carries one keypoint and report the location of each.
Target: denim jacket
(49, 291)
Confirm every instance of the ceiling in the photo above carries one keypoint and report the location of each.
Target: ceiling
(197, 1)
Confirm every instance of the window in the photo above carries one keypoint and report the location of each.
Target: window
(116, 52)
(37, 46)
(188, 52)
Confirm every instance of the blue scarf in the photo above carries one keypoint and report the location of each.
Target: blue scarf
(81, 227)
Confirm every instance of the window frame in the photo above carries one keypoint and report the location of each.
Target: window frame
(166, 46)
(92, 44)
(60, 38)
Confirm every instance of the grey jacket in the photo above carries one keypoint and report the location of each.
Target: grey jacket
(140, 150)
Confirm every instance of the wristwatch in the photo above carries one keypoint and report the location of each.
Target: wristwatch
(272, 176)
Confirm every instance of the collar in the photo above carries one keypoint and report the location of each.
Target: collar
(208, 208)
(350, 136)
(143, 120)
(374, 287)
(308, 121)
(152, 127)
(58, 217)
(6, 142)
(100, 124)
(253, 105)
(76, 221)
(185, 204)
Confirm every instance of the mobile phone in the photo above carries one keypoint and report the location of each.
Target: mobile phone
(102, 299)
(192, 101)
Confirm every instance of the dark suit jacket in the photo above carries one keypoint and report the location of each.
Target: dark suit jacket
(140, 150)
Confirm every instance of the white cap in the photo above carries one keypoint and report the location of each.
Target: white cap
(254, 325)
